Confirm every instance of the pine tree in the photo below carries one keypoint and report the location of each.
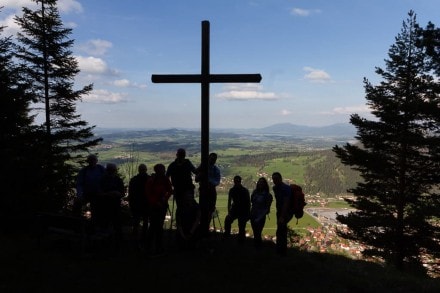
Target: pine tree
(14, 104)
(45, 50)
(15, 131)
(431, 41)
(397, 154)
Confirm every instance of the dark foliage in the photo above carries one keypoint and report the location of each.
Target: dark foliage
(398, 155)
(18, 159)
(41, 71)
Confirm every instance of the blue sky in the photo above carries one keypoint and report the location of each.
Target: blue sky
(312, 55)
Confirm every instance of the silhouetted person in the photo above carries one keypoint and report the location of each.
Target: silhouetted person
(138, 203)
(88, 186)
(180, 172)
(158, 191)
(261, 200)
(239, 205)
(208, 200)
(188, 223)
(109, 202)
(283, 196)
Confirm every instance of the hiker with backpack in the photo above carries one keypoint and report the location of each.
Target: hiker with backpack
(261, 200)
(298, 202)
(283, 196)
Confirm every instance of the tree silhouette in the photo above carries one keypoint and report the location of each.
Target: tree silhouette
(15, 133)
(397, 154)
(44, 48)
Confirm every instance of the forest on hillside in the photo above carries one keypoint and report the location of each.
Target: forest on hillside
(322, 173)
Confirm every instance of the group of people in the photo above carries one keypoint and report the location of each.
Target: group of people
(244, 206)
(148, 197)
(103, 189)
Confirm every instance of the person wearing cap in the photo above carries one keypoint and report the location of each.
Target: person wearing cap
(88, 185)
(239, 205)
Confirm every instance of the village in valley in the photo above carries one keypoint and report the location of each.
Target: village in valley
(325, 239)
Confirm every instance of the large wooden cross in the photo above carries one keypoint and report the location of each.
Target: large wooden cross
(205, 79)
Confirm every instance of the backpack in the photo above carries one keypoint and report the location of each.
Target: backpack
(298, 202)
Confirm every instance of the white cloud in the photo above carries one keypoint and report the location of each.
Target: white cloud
(316, 75)
(349, 110)
(300, 12)
(67, 6)
(244, 92)
(105, 97)
(303, 12)
(246, 95)
(93, 65)
(243, 86)
(126, 83)
(141, 86)
(17, 4)
(122, 83)
(10, 27)
(286, 112)
(64, 6)
(96, 47)
(70, 24)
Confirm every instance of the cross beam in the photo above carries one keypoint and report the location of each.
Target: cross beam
(205, 79)
(211, 78)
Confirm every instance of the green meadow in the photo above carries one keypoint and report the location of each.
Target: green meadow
(270, 226)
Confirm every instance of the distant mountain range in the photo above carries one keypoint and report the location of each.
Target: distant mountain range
(344, 130)
(334, 130)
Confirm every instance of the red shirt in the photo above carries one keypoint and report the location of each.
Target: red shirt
(158, 191)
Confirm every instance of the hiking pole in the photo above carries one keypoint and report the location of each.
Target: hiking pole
(171, 214)
(219, 221)
(213, 221)
(214, 215)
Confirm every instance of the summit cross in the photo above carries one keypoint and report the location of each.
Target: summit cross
(205, 79)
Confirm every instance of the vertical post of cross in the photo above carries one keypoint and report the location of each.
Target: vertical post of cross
(205, 106)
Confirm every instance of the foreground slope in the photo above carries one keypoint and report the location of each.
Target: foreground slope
(217, 266)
